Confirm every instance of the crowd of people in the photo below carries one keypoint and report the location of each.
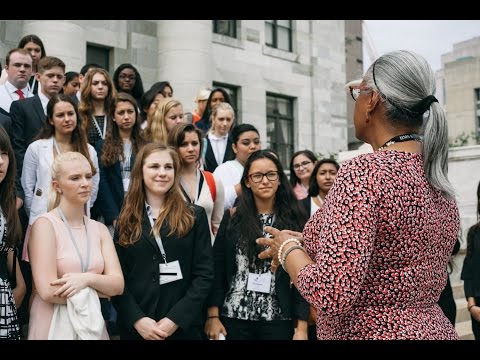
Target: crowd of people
(173, 225)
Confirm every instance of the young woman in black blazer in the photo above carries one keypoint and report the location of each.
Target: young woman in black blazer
(249, 301)
(165, 251)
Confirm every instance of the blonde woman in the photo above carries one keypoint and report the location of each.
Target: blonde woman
(69, 251)
(218, 144)
(169, 112)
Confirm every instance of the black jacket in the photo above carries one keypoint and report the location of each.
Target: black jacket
(182, 300)
(28, 119)
(110, 189)
(211, 161)
(471, 264)
(291, 302)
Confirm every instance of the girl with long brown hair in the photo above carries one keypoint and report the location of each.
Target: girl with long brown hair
(162, 238)
(97, 96)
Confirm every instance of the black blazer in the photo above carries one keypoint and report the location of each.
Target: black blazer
(291, 302)
(181, 301)
(28, 119)
(210, 161)
(471, 264)
(5, 121)
(110, 190)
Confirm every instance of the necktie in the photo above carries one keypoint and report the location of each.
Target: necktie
(20, 93)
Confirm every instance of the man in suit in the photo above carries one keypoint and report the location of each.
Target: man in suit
(28, 116)
(19, 69)
(5, 121)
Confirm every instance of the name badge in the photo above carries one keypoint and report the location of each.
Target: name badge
(126, 184)
(170, 272)
(259, 282)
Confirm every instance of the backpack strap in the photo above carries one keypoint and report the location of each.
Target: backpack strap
(211, 183)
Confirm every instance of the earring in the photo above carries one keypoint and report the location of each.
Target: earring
(367, 115)
(60, 191)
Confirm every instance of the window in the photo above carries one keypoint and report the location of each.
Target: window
(477, 108)
(278, 34)
(225, 27)
(99, 55)
(280, 126)
(233, 91)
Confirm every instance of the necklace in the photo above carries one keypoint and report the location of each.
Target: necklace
(400, 138)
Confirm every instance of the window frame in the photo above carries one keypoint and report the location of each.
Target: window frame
(275, 29)
(285, 150)
(231, 28)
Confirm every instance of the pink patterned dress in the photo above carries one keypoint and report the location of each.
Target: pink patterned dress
(381, 243)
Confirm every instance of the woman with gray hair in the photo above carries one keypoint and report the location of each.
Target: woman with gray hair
(372, 260)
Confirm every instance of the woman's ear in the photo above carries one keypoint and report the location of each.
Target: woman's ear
(234, 148)
(56, 187)
(373, 102)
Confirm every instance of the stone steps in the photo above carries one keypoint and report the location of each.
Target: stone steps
(463, 324)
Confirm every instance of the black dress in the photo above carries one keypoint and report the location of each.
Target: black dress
(9, 326)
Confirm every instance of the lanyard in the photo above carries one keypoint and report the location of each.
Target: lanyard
(56, 147)
(85, 264)
(198, 177)
(127, 154)
(2, 223)
(158, 239)
(33, 84)
(102, 134)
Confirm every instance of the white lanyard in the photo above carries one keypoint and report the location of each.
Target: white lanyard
(85, 264)
(158, 239)
(56, 146)
(33, 83)
(102, 134)
(127, 156)
(2, 223)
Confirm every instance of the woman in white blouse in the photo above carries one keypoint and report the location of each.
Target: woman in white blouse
(245, 140)
(218, 145)
(199, 187)
(61, 133)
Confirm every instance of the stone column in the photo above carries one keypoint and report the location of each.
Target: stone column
(64, 39)
(185, 57)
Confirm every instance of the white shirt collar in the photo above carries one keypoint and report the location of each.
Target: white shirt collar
(212, 136)
(44, 101)
(11, 89)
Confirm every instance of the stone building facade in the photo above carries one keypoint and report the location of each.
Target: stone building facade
(287, 76)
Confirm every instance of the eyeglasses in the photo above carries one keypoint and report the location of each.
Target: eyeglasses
(302, 164)
(258, 177)
(355, 91)
(125, 77)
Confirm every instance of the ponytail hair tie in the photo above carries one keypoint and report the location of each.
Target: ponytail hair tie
(424, 104)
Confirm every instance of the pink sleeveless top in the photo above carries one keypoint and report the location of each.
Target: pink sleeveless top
(68, 261)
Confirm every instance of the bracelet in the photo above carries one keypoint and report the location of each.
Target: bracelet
(288, 251)
(280, 249)
(470, 307)
(213, 317)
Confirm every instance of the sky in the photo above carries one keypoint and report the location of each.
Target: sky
(429, 38)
